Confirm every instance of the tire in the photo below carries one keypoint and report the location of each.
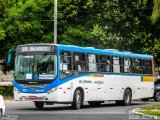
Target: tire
(94, 103)
(1, 112)
(157, 96)
(127, 97)
(145, 99)
(77, 100)
(39, 105)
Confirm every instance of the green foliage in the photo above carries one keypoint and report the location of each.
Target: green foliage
(76, 36)
(156, 11)
(6, 90)
(2, 34)
(119, 24)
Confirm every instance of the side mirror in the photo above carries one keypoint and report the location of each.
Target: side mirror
(9, 58)
(10, 55)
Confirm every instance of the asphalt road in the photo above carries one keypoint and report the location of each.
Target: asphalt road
(108, 111)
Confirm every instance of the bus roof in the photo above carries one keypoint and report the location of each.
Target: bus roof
(111, 52)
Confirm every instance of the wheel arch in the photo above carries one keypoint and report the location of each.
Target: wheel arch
(82, 91)
(129, 90)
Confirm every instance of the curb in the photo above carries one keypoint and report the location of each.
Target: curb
(142, 115)
(8, 101)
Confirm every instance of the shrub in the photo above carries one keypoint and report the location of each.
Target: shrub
(6, 90)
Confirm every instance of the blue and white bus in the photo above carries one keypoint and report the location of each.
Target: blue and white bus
(54, 73)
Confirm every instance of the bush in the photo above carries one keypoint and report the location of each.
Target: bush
(6, 90)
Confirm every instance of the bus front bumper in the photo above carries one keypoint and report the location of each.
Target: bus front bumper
(49, 96)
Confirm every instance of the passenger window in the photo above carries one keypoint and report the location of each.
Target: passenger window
(65, 64)
(137, 66)
(92, 66)
(127, 65)
(79, 63)
(121, 62)
(104, 63)
(116, 66)
(147, 67)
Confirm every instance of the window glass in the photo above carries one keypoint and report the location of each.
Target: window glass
(41, 66)
(79, 63)
(121, 61)
(65, 64)
(104, 63)
(137, 66)
(147, 67)
(127, 65)
(116, 66)
(92, 66)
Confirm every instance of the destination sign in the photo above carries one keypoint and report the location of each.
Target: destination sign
(35, 49)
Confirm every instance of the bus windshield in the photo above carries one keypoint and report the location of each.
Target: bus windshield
(35, 67)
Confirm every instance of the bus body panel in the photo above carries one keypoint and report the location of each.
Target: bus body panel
(96, 88)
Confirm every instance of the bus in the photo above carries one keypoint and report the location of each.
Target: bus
(53, 73)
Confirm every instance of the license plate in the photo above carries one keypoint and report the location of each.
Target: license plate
(32, 97)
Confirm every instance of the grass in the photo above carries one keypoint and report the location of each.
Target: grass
(151, 110)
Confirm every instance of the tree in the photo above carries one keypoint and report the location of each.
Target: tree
(156, 11)
(118, 24)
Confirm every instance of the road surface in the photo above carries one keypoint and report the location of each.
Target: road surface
(109, 111)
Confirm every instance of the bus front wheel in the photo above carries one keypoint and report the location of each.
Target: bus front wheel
(39, 105)
(77, 100)
(127, 97)
(1, 112)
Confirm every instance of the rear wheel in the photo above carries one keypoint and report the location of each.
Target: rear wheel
(127, 97)
(157, 96)
(77, 100)
(39, 105)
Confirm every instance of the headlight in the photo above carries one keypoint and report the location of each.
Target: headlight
(16, 90)
(52, 90)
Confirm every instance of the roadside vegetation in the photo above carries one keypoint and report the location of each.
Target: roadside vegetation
(6, 91)
(151, 110)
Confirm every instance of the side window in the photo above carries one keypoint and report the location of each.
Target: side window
(98, 63)
(127, 65)
(121, 62)
(147, 67)
(104, 63)
(92, 66)
(65, 64)
(116, 66)
(137, 66)
(79, 63)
